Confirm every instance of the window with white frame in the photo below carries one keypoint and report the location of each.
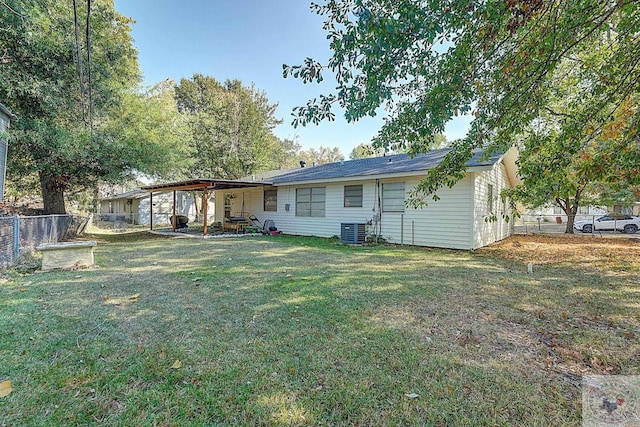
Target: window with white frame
(353, 196)
(310, 201)
(393, 197)
(270, 200)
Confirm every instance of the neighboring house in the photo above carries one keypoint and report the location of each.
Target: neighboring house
(133, 207)
(552, 213)
(317, 201)
(5, 121)
(626, 210)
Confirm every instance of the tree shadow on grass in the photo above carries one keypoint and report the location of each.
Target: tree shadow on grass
(272, 333)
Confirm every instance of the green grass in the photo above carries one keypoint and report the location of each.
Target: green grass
(289, 331)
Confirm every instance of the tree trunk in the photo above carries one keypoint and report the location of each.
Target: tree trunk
(571, 217)
(570, 212)
(95, 203)
(195, 205)
(570, 221)
(52, 194)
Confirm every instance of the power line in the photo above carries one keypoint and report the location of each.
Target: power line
(79, 65)
(89, 65)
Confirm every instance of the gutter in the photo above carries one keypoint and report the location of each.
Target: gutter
(7, 113)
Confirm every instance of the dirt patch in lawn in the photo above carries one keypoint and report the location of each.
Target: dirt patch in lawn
(609, 255)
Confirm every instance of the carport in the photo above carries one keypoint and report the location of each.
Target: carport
(204, 185)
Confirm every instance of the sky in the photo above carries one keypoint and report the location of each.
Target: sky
(248, 40)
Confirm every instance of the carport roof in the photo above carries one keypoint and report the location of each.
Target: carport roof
(203, 184)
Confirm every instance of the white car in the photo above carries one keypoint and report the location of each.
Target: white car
(625, 223)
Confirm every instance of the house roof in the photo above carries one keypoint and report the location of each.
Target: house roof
(398, 163)
(369, 167)
(6, 112)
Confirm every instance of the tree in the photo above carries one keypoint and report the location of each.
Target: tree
(284, 154)
(363, 151)
(427, 62)
(571, 166)
(231, 127)
(321, 155)
(67, 87)
(373, 150)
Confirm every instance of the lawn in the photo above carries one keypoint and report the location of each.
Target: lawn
(287, 331)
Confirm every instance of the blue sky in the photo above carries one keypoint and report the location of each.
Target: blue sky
(247, 40)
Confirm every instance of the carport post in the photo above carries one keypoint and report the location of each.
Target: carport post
(174, 220)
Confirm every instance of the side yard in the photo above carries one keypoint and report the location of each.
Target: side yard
(302, 331)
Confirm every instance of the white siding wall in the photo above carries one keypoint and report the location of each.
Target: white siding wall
(487, 232)
(335, 212)
(447, 223)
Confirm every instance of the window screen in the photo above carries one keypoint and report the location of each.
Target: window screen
(353, 196)
(310, 201)
(270, 200)
(393, 197)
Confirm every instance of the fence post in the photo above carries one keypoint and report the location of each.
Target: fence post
(53, 230)
(16, 238)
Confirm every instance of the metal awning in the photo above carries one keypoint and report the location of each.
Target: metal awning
(201, 184)
(204, 185)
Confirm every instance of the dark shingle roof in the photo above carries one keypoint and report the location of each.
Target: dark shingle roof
(397, 163)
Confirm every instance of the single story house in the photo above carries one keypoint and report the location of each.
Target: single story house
(370, 195)
(555, 214)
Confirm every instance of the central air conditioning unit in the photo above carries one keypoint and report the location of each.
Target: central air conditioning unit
(352, 233)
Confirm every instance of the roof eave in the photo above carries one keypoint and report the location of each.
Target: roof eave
(7, 113)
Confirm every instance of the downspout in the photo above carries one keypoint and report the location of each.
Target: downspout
(379, 209)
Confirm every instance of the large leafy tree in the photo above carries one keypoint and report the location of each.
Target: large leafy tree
(428, 61)
(231, 128)
(70, 81)
(572, 167)
(363, 151)
(321, 155)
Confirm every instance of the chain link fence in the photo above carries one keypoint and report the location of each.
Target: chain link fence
(594, 225)
(9, 241)
(20, 234)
